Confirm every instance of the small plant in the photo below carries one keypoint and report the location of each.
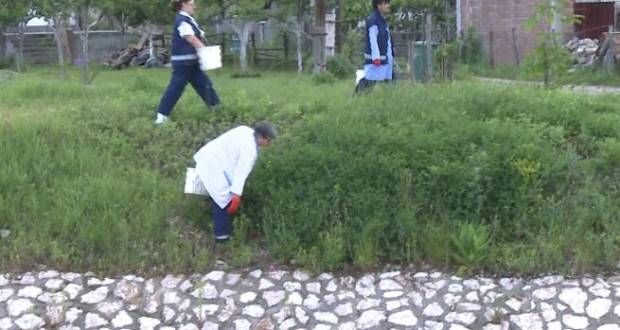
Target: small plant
(549, 57)
(366, 253)
(470, 247)
(340, 66)
(323, 78)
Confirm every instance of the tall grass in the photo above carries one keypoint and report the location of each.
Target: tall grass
(467, 175)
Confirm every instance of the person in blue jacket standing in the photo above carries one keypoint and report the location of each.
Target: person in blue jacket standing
(379, 50)
(188, 58)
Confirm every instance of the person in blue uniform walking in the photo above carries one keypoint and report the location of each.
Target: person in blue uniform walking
(188, 58)
(379, 51)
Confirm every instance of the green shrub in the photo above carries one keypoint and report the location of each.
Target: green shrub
(340, 67)
(470, 247)
(323, 78)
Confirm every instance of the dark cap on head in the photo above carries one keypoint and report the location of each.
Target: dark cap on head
(266, 130)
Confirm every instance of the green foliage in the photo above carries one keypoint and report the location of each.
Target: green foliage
(466, 175)
(549, 58)
(353, 47)
(323, 78)
(470, 247)
(471, 52)
(340, 67)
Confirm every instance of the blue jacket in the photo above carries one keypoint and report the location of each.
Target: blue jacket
(182, 52)
(375, 18)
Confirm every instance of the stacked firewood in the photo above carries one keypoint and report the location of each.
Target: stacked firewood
(139, 55)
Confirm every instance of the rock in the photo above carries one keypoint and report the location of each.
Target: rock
(273, 297)
(404, 318)
(433, 310)
(255, 311)
(370, 319)
(147, 323)
(18, 307)
(575, 298)
(597, 308)
(93, 320)
(575, 322)
(326, 317)
(366, 286)
(529, 321)
(122, 319)
(29, 321)
(96, 296)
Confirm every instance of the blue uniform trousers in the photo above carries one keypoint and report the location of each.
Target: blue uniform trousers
(222, 222)
(181, 75)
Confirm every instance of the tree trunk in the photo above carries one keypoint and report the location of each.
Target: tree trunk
(339, 32)
(85, 56)
(19, 60)
(318, 36)
(60, 35)
(243, 31)
(429, 46)
(123, 30)
(299, 24)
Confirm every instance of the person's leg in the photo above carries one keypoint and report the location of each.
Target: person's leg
(203, 86)
(364, 85)
(221, 223)
(174, 91)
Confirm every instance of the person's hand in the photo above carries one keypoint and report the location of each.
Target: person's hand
(234, 204)
(376, 62)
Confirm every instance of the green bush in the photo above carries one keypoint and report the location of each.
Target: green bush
(441, 156)
(340, 67)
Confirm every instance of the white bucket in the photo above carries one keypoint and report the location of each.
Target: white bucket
(359, 74)
(193, 184)
(214, 57)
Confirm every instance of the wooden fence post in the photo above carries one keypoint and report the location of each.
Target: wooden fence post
(491, 47)
(514, 46)
(411, 59)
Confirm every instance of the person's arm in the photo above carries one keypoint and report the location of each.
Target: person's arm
(194, 41)
(187, 32)
(375, 54)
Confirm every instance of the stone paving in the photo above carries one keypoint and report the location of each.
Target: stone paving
(281, 299)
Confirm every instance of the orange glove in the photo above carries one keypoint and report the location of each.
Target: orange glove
(234, 204)
(376, 62)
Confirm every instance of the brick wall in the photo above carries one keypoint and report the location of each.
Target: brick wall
(500, 17)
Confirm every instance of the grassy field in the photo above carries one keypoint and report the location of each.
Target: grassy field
(577, 77)
(467, 176)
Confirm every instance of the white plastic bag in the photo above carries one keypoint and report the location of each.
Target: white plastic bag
(359, 74)
(210, 57)
(193, 185)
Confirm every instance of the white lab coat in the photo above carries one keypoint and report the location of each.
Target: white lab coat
(224, 163)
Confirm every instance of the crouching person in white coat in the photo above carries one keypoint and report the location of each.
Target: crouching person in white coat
(223, 165)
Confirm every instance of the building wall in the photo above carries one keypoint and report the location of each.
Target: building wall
(498, 18)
